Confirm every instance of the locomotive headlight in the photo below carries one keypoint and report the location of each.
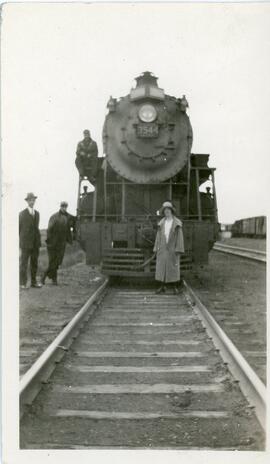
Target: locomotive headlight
(147, 113)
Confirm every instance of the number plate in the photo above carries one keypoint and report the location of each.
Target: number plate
(147, 131)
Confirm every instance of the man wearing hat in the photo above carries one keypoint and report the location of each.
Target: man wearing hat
(58, 234)
(86, 157)
(169, 245)
(29, 235)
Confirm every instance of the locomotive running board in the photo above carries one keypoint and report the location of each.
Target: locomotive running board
(250, 384)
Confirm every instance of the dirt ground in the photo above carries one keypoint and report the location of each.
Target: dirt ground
(44, 312)
(234, 290)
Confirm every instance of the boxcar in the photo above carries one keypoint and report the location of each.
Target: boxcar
(250, 227)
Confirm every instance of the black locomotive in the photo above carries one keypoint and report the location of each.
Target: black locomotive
(147, 138)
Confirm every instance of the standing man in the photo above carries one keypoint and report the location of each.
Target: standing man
(85, 191)
(208, 209)
(58, 234)
(208, 192)
(87, 157)
(29, 235)
(86, 201)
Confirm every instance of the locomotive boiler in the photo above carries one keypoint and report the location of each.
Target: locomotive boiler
(147, 140)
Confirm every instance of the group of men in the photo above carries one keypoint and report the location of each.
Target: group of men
(60, 223)
(59, 233)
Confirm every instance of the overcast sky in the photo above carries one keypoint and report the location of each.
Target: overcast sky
(61, 63)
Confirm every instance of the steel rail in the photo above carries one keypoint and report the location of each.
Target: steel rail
(250, 384)
(235, 247)
(254, 255)
(38, 374)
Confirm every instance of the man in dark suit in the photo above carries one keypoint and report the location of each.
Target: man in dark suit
(29, 241)
(58, 234)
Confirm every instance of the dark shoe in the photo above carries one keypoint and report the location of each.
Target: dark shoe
(36, 285)
(23, 287)
(160, 290)
(181, 284)
(176, 291)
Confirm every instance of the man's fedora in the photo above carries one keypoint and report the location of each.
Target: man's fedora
(30, 196)
(167, 204)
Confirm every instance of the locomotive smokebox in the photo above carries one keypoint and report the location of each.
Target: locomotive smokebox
(147, 134)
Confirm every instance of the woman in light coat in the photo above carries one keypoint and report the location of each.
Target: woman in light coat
(169, 245)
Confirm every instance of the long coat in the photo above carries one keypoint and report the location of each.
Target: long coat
(29, 230)
(59, 233)
(168, 254)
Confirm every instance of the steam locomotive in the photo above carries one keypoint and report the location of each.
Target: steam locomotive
(147, 140)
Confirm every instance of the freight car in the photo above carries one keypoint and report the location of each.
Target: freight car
(250, 227)
(147, 140)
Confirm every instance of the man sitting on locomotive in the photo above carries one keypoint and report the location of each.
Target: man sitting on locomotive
(168, 246)
(86, 157)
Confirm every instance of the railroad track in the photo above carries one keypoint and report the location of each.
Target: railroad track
(245, 335)
(248, 253)
(140, 370)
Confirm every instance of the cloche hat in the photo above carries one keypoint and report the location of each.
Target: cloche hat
(167, 204)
